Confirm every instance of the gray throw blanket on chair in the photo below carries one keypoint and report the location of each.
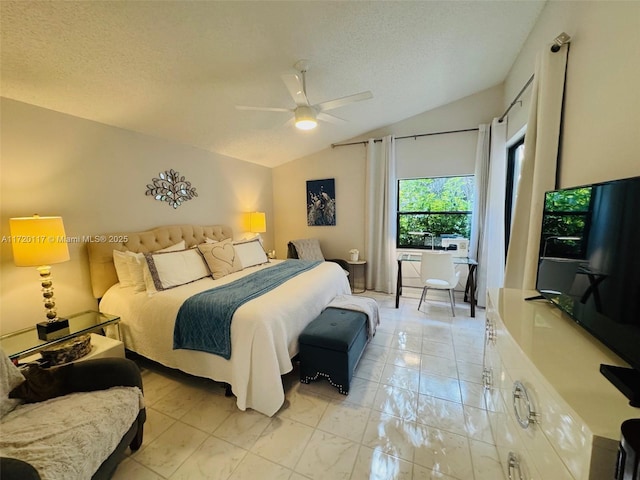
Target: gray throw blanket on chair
(308, 249)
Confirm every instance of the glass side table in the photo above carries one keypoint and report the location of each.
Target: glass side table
(26, 342)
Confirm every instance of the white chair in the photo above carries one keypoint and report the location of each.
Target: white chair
(438, 272)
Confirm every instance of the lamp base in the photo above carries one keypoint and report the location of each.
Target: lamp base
(52, 330)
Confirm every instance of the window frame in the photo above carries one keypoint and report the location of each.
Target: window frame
(400, 213)
(510, 190)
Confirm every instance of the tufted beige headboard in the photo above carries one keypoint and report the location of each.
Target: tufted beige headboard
(101, 267)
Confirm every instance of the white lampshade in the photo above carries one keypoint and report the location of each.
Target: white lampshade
(258, 222)
(306, 118)
(38, 241)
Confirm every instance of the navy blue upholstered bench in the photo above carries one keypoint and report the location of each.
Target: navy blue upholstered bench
(331, 346)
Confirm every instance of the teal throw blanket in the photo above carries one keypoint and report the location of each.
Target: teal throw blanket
(204, 319)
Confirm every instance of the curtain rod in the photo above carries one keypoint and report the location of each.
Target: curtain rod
(515, 100)
(558, 42)
(364, 142)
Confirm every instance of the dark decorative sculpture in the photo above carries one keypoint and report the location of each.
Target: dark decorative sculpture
(171, 188)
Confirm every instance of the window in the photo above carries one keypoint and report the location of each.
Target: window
(515, 155)
(433, 209)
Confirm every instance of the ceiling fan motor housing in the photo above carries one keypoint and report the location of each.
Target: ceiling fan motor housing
(305, 117)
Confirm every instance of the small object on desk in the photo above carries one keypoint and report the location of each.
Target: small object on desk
(353, 254)
(52, 330)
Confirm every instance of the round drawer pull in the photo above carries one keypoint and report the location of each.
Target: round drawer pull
(490, 330)
(487, 378)
(520, 396)
(514, 466)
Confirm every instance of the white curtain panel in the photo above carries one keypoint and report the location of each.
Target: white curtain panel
(380, 225)
(487, 233)
(480, 192)
(491, 259)
(538, 168)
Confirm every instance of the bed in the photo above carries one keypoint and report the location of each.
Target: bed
(264, 330)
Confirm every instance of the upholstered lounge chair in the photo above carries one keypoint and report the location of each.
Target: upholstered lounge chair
(93, 377)
(309, 249)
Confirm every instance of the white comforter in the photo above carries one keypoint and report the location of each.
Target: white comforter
(264, 331)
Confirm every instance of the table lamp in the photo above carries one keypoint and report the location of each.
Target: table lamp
(39, 242)
(257, 222)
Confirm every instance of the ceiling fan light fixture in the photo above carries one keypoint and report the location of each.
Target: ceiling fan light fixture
(306, 118)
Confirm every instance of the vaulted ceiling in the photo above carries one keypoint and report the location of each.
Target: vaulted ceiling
(177, 69)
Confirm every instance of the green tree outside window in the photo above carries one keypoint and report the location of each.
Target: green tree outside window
(436, 206)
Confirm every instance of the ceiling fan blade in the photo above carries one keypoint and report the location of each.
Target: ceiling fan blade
(295, 86)
(289, 123)
(339, 102)
(263, 109)
(330, 118)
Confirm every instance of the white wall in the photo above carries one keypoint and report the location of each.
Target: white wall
(346, 166)
(451, 154)
(95, 177)
(602, 106)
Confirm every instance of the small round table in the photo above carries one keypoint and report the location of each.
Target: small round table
(358, 285)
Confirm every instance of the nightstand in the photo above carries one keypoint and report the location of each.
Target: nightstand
(24, 345)
(357, 275)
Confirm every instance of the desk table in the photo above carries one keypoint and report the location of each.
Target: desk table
(469, 289)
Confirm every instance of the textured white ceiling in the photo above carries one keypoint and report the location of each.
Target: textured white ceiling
(176, 69)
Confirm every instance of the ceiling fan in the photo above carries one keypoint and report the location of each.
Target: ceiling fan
(306, 115)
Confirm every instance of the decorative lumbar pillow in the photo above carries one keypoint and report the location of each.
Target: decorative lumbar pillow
(172, 269)
(250, 253)
(42, 383)
(10, 378)
(220, 257)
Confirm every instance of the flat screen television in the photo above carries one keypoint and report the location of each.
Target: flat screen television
(589, 267)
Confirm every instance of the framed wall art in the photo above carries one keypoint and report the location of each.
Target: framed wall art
(321, 202)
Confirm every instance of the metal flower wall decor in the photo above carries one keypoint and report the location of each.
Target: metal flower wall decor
(170, 187)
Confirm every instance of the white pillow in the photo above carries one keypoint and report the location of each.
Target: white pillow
(130, 266)
(172, 269)
(248, 236)
(181, 245)
(250, 253)
(129, 269)
(122, 270)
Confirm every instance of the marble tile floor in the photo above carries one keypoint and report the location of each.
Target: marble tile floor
(415, 411)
